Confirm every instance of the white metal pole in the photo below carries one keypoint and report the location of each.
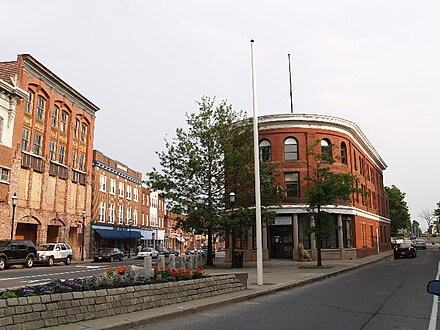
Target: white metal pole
(257, 175)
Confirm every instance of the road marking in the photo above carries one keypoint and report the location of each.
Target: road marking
(434, 310)
(41, 275)
(35, 281)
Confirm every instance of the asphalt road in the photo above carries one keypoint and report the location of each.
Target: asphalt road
(390, 294)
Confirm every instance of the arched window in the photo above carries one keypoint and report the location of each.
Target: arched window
(343, 153)
(290, 149)
(265, 151)
(55, 114)
(41, 108)
(326, 150)
(64, 121)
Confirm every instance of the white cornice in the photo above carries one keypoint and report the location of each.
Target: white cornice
(326, 122)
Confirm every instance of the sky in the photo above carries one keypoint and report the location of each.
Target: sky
(145, 63)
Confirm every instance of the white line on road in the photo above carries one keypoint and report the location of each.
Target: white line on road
(45, 275)
(35, 281)
(434, 310)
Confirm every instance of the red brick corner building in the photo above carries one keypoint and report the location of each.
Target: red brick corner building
(361, 227)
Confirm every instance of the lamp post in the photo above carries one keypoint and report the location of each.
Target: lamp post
(129, 236)
(83, 234)
(232, 201)
(14, 204)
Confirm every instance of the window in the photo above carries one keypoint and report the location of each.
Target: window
(265, 151)
(120, 214)
(55, 116)
(103, 183)
(121, 189)
(76, 129)
(52, 150)
(82, 159)
(143, 199)
(135, 217)
(64, 121)
(41, 106)
(291, 180)
(1, 129)
(74, 158)
(148, 200)
(112, 186)
(128, 214)
(355, 161)
(29, 102)
(128, 192)
(143, 219)
(290, 149)
(111, 213)
(25, 139)
(326, 150)
(101, 211)
(83, 133)
(61, 154)
(343, 153)
(4, 174)
(37, 144)
(136, 194)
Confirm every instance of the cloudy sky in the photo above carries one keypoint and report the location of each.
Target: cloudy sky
(144, 63)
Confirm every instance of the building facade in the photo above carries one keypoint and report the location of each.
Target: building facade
(360, 227)
(52, 144)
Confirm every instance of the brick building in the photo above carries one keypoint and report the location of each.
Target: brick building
(361, 227)
(125, 213)
(52, 144)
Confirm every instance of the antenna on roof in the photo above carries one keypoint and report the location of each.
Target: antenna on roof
(290, 80)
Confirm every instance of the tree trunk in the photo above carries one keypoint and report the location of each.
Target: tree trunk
(318, 237)
(232, 248)
(209, 260)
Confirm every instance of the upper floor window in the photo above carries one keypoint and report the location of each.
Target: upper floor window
(128, 215)
(4, 174)
(136, 194)
(135, 217)
(38, 139)
(120, 214)
(111, 213)
(121, 189)
(291, 179)
(1, 128)
(102, 211)
(112, 186)
(55, 113)
(355, 161)
(29, 102)
(326, 150)
(290, 149)
(52, 150)
(76, 129)
(82, 159)
(74, 158)
(25, 136)
(343, 153)
(128, 192)
(64, 121)
(61, 154)
(83, 133)
(41, 107)
(103, 183)
(265, 151)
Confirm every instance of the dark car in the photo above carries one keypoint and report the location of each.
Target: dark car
(204, 251)
(164, 252)
(405, 249)
(190, 250)
(174, 251)
(17, 252)
(420, 243)
(108, 254)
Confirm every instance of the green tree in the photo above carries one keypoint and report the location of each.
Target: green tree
(203, 163)
(399, 212)
(326, 187)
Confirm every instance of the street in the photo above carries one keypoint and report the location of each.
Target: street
(384, 295)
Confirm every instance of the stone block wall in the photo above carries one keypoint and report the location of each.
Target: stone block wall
(56, 309)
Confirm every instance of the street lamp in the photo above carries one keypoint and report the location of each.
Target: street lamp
(83, 234)
(232, 243)
(14, 204)
(129, 236)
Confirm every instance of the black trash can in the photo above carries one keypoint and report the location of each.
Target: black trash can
(237, 259)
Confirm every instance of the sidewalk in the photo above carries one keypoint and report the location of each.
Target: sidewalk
(277, 275)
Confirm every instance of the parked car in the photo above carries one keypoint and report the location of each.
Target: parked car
(204, 251)
(406, 249)
(164, 252)
(50, 253)
(220, 249)
(108, 254)
(191, 250)
(16, 252)
(174, 251)
(420, 243)
(145, 252)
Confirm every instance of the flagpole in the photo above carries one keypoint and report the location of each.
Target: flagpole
(257, 174)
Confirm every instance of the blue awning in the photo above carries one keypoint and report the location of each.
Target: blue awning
(133, 234)
(109, 234)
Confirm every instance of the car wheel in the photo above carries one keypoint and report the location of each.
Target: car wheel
(2, 263)
(50, 262)
(29, 262)
(68, 261)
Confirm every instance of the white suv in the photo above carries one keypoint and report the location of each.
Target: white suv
(50, 253)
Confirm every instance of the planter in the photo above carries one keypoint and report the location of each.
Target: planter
(51, 310)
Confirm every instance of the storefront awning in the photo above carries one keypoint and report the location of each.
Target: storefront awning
(133, 234)
(109, 234)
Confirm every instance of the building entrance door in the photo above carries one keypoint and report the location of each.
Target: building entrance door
(281, 242)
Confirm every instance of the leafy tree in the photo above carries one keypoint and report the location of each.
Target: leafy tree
(327, 187)
(202, 163)
(399, 212)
